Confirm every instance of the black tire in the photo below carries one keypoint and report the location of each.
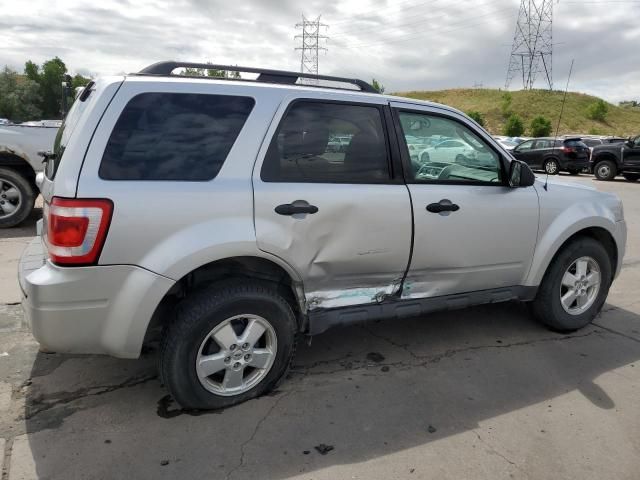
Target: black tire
(197, 315)
(573, 171)
(605, 170)
(551, 166)
(631, 177)
(547, 307)
(27, 197)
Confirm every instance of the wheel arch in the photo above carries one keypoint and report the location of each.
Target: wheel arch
(11, 159)
(267, 270)
(601, 233)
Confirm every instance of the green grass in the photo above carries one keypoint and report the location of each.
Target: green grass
(531, 103)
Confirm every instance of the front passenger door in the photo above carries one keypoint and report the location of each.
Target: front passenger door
(472, 231)
(526, 153)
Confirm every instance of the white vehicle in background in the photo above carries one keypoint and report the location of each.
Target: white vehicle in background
(43, 123)
(4, 121)
(447, 151)
(19, 164)
(506, 144)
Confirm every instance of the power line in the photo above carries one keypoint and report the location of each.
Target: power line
(310, 48)
(532, 48)
(444, 10)
(413, 36)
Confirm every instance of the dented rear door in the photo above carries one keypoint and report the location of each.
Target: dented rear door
(334, 213)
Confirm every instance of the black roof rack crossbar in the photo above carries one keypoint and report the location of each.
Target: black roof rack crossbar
(264, 75)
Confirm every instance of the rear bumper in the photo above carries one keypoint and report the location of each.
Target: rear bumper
(99, 309)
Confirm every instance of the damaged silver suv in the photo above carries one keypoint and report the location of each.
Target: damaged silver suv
(220, 213)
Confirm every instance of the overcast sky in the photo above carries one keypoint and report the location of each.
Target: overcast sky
(406, 44)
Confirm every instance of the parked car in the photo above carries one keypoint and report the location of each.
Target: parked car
(19, 164)
(210, 211)
(554, 155)
(4, 121)
(447, 151)
(507, 144)
(610, 160)
(43, 123)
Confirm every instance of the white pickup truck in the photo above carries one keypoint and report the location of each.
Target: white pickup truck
(19, 164)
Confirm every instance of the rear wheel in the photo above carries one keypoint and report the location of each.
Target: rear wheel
(575, 286)
(228, 344)
(551, 166)
(605, 170)
(632, 177)
(16, 198)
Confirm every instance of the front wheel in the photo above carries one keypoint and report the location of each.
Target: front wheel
(16, 198)
(631, 177)
(551, 167)
(605, 170)
(227, 344)
(575, 286)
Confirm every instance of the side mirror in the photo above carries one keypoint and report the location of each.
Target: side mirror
(520, 175)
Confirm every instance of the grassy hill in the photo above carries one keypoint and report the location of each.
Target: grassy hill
(531, 103)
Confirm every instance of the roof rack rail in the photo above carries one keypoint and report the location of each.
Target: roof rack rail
(264, 75)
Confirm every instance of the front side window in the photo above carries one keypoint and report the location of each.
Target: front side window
(328, 143)
(442, 149)
(174, 136)
(525, 146)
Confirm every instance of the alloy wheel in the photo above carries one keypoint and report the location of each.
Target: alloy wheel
(580, 286)
(10, 198)
(236, 355)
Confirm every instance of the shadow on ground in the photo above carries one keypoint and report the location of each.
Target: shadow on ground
(26, 228)
(367, 391)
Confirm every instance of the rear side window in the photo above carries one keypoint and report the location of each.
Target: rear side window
(328, 143)
(64, 132)
(174, 136)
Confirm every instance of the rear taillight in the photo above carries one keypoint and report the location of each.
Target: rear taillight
(569, 150)
(75, 229)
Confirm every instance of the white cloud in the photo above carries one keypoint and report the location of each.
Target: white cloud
(407, 44)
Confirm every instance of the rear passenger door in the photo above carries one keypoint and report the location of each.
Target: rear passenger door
(341, 219)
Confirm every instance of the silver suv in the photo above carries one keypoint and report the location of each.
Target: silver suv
(215, 212)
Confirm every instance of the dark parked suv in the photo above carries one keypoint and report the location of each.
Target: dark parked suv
(554, 155)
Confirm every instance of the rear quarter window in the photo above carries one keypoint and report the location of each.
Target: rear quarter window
(174, 136)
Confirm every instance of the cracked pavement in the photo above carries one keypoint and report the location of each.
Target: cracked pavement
(477, 393)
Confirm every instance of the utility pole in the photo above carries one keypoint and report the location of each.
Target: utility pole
(532, 49)
(310, 47)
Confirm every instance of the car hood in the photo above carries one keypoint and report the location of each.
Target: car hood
(564, 194)
(568, 186)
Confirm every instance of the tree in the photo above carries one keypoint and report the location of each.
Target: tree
(19, 97)
(377, 85)
(51, 77)
(540, 127)
(477, 116)
(598, 110)
(514, 126)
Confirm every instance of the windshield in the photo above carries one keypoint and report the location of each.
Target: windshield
(64, 134)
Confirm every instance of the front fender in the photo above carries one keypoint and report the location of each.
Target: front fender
(557, 227)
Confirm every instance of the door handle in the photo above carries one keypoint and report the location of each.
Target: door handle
(297, 207)
(443, 205)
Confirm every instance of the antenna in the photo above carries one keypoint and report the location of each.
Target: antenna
(564, 99)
